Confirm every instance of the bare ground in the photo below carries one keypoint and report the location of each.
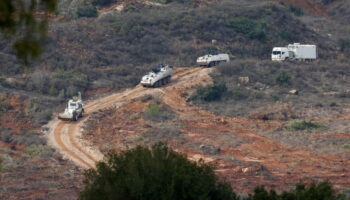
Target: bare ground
(233, 146)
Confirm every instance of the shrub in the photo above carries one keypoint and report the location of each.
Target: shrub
(239, 94)
(344, 45)
(28, 138)
(303, 125)
(253, 29)
(326, 2)
(44, 116)
(156, 112)
(347, 145)
(283, 78)
(321, 191)
(87, 10)
(297, 11)
(153, 109)
(6, 135)
(41, 151)
(211, 92)
(153, 173)
(103, 2)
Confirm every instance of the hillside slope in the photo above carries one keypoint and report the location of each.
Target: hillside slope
(104, 54)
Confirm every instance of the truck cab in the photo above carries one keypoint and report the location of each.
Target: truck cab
(280, 54)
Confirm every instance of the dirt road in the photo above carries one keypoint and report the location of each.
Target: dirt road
(66, 136)
(233, 146)
(244, 157)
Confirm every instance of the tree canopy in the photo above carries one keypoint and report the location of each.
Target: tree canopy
(153, 173)
(25, 21)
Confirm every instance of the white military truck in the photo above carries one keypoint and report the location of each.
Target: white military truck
(212, 60)
(159, 76)
(74, 109)
(296, 51)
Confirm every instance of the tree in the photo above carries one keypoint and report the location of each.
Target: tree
(26, 20)
(153, 173)
(321, 191)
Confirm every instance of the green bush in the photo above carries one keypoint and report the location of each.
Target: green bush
(283, 78)
(153, 173)
(153, 109)
(303, 125)
(87, 10)
(103, 2)
(344, 45)
(347, 145)
(321, 191)
(297, 11)
(41, 151)
(158, 113)
(211, 92)
(326, 2)
(253, 29)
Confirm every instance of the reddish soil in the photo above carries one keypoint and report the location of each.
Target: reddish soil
(15, 117)
(26, 177)
(309, 6)
(239, 154)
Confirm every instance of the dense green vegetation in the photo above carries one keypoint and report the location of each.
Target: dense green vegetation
(160, 173)
(211, 92)
(153, 173)
(158, 113)
(321, 191)
(18, 18)
(303, 125)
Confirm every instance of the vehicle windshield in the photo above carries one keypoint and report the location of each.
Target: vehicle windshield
(72, 104)
(276, 52)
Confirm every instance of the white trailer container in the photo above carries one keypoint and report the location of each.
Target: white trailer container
(296, 51)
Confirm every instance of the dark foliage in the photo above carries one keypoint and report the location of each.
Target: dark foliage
(153, 173)
(296, 11)
(211, 92)
(253, 29)
(283, 78)
(18, 18)
(87, 10)
(321, 191)
(103, 2)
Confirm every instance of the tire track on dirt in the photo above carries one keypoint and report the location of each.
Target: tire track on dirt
(60, 142)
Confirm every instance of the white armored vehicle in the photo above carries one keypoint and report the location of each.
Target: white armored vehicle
(159, 76)
(74, 109)
(296, 51)
(212, 60)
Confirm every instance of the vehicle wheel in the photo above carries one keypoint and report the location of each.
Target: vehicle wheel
(211, 64)
(82, 113)
(75, 117)
(168, 79)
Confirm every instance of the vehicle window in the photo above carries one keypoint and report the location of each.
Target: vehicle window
(72, 104)
(276, 52)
